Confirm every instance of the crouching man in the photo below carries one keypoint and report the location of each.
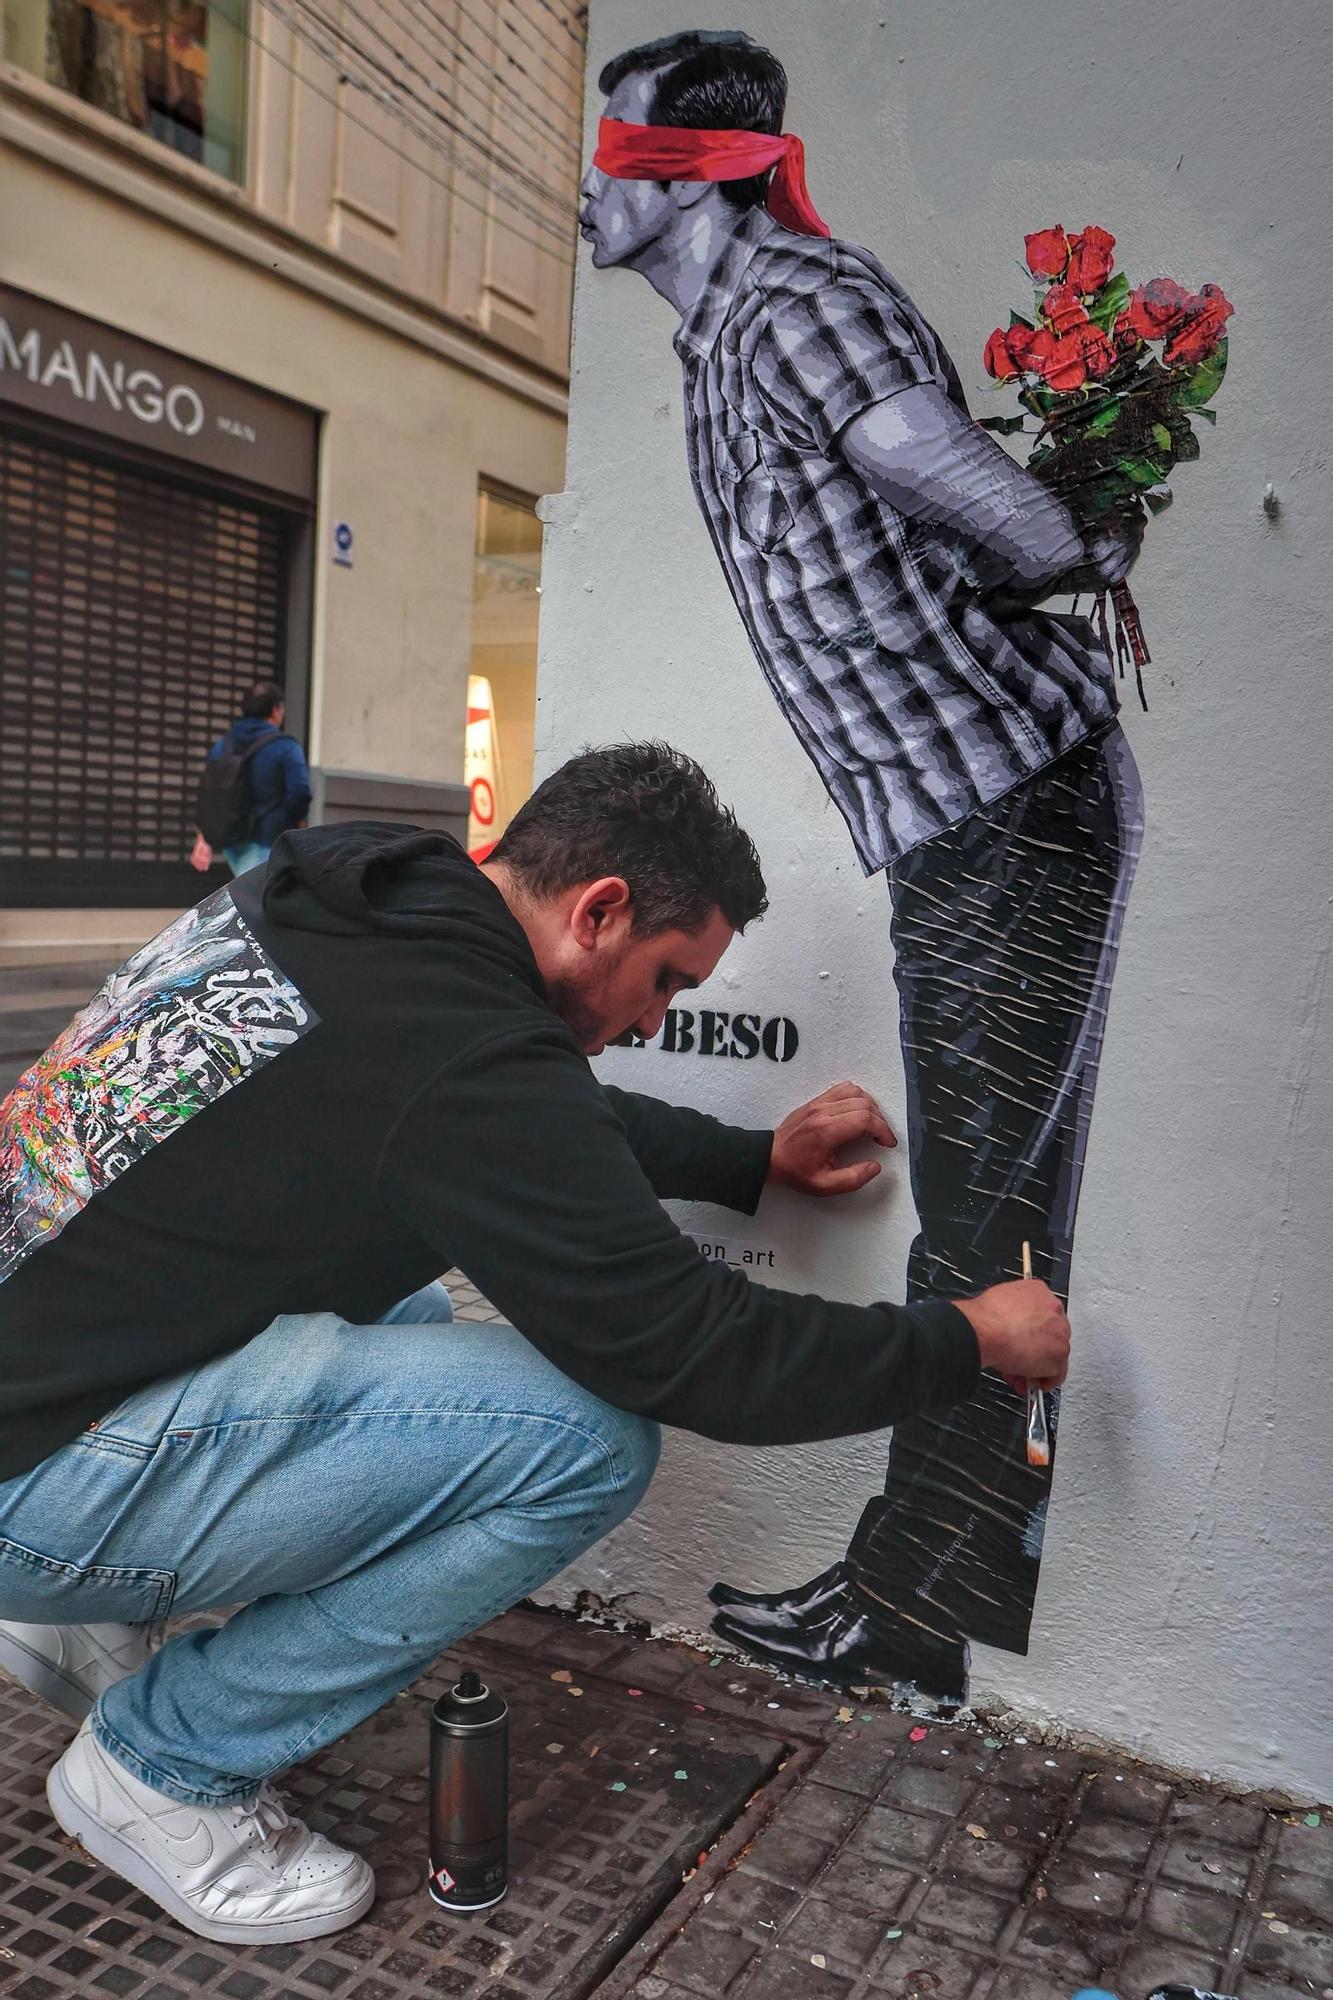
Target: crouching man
(229, 1375)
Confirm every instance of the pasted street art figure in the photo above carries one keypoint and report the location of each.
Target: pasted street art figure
(889, 561)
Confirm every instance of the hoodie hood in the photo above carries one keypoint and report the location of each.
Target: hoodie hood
(248, 728)
(367, 877)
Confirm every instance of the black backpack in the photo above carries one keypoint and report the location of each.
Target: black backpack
(224, 811)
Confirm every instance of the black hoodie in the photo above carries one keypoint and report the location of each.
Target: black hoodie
(336, 1078)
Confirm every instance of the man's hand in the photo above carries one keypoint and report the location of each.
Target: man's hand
(201, 855)
(1109, 553)
(806, 1143)
(1022, 1332)
(1114, 549)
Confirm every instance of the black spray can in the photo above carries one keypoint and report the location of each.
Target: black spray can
(469, 1796)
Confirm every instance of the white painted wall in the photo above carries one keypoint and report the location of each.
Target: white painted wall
(1185, 1606)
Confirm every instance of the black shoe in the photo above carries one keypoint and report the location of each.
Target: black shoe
(796, 1603)
(1185, 1993)
(839, 1647)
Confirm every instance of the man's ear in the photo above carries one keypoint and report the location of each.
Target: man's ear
(602, 905)
(686, 193)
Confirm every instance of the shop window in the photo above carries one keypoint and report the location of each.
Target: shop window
(502, 677)
(174, 69)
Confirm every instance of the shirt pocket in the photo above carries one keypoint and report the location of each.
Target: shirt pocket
(37, 1589)
(748, 470)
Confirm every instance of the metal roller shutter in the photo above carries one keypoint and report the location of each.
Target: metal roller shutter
(136, 608)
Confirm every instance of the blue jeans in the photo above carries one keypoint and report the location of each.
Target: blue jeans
(369, 1494)
(250, 854)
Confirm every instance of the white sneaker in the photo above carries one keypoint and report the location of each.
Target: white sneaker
(240, 1874)
(71, 1665)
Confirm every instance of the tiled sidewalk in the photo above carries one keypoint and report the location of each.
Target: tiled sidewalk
(937, 1860)
(684, 1828)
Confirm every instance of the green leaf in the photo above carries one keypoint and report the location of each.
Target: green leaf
(1162, 436)
(1017, 319)
(1184, 443)
(1158, 499)
(1106, 418)
(1142, 472)
(1110, 496)
(1002, 426)
(1110, 302)
(1199, 385)
(1209, 416)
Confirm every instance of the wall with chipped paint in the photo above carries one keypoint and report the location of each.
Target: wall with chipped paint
(1185, 1605)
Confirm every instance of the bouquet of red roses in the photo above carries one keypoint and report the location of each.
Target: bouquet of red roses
(1115, 379)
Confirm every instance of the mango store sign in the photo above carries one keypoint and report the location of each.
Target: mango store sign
(59, 364)
(90, 377)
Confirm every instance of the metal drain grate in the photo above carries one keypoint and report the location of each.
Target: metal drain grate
(614, 1796)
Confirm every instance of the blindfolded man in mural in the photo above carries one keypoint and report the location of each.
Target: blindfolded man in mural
(888, 560)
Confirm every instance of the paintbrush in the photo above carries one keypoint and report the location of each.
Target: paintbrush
(1039, 1437)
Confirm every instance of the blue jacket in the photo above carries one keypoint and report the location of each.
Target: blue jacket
(279, 777)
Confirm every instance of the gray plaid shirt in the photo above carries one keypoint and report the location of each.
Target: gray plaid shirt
(916, 701)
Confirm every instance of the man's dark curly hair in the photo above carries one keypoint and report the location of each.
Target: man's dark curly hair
(261, 698)
(645, 812)
(715, 80)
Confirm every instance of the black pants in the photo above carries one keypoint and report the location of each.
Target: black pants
(1005, 930)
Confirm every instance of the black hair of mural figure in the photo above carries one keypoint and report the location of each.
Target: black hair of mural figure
(889, 562)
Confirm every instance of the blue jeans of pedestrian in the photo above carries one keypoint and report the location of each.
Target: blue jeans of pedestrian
(250, 854)
(369, 1494)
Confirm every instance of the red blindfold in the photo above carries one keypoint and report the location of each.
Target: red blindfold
(679, 153)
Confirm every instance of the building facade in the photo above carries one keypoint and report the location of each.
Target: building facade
(283, 371)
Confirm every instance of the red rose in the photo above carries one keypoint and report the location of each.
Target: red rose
(1047, 252)
(1155, 310)
(998, 361)
(1057, 360)
(1098, 353)
(1008, 351)
(1203, 331)
(1090, 260)
(1063, 309)
(1064, 367)
(1026, 346)
(1065, 361)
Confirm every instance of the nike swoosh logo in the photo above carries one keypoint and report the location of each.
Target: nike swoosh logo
(189, 1850)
